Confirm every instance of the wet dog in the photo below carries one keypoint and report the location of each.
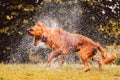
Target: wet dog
(62, 43)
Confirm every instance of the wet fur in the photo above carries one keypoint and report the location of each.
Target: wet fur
(62, 43)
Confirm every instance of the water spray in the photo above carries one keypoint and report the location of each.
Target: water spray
(63, 16)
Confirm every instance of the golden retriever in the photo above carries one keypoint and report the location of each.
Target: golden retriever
(62, 43)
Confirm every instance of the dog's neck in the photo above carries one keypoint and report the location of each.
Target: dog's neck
(46, 35)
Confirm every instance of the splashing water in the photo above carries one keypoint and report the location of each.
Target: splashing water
(55, 16)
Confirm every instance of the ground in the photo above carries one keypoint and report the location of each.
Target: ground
(69, 72)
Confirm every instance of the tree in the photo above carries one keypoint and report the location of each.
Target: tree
(97, 19)
(14, 16)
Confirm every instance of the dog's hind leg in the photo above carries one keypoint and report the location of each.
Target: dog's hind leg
(85, 60)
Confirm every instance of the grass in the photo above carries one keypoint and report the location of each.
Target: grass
(69, 72)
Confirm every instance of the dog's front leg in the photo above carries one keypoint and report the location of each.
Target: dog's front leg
(62, 58)
(53, 55)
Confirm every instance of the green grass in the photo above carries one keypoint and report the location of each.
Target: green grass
(69, 72)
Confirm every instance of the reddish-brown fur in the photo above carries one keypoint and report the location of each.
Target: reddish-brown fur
(63, 43)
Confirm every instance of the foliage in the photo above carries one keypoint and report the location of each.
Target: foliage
(14, 16)
(97, 19)
(105, 16)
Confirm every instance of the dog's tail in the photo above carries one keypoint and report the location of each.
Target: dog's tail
(106, 59)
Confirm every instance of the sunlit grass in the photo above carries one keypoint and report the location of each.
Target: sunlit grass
(69, 72)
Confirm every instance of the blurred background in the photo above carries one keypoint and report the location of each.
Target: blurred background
(96, 19)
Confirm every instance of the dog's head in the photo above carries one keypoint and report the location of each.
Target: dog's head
(36, 31)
